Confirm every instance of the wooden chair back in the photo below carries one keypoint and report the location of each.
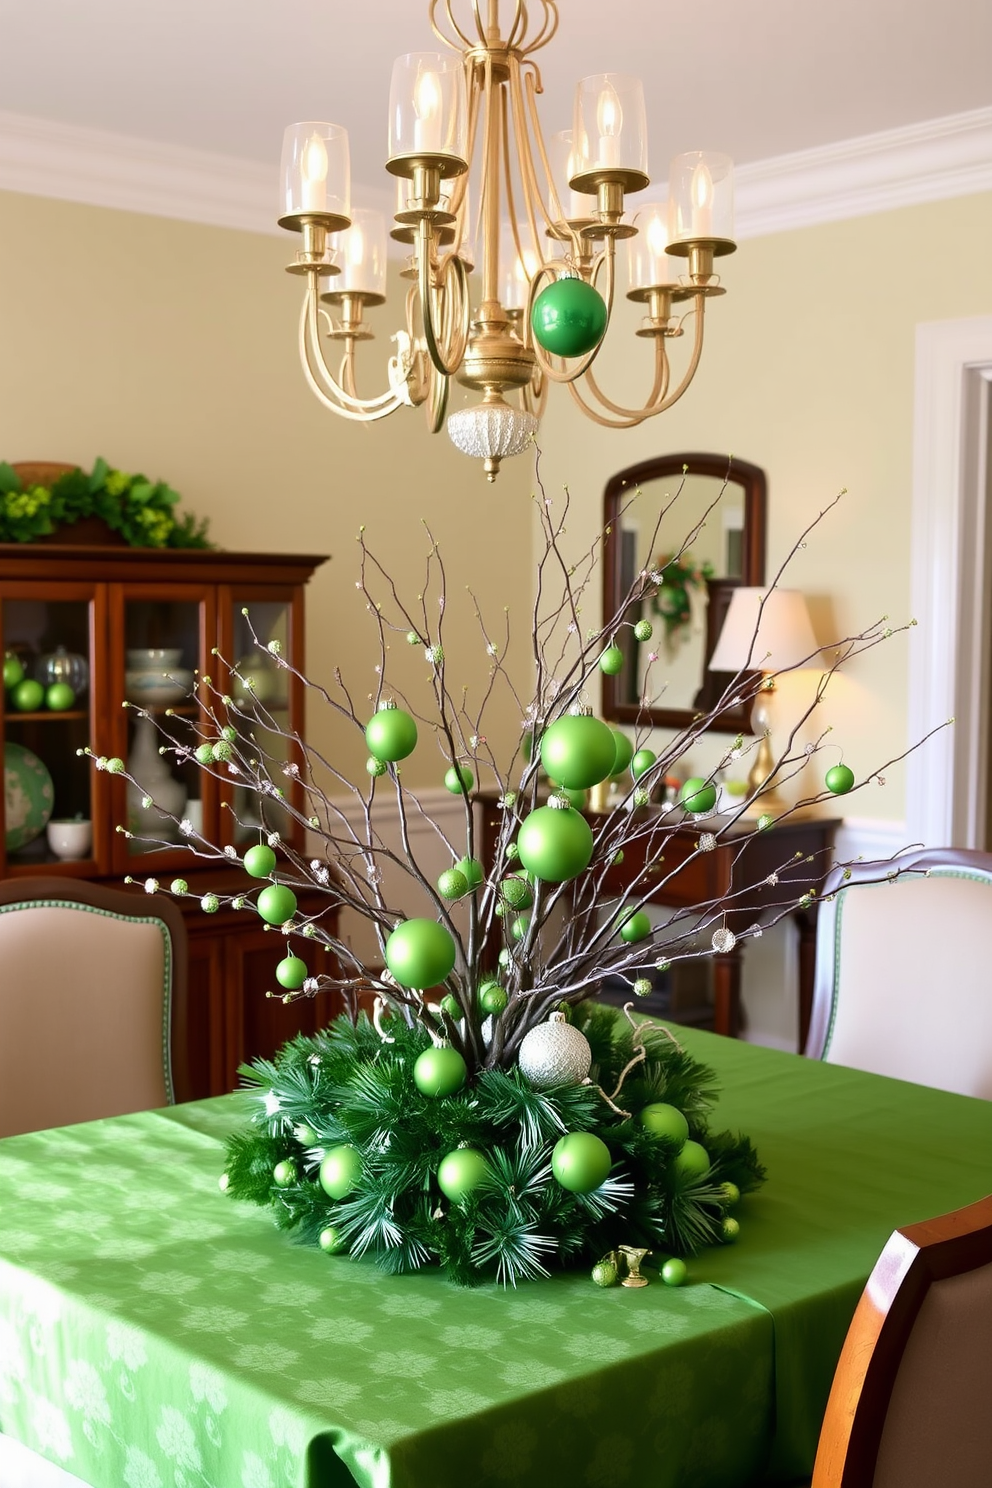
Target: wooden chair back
(911, 1402)
(902, 981)
(92, 986)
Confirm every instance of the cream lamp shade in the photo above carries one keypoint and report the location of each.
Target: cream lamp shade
(766, 630)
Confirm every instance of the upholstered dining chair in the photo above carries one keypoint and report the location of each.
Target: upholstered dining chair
(910, 1402)
(902, 982)
(92, 985)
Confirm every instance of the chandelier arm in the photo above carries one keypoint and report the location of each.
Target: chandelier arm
(321, 379)
(572, 374)
(632, 418)
(437, 400)
(451, 22)
(659, 387)
(489, 198)
(446, 355)
(697, 351)
(530, 185)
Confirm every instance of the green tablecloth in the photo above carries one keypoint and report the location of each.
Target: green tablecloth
(155, 1335)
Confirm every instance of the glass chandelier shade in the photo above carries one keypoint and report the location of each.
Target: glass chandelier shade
(489, 216)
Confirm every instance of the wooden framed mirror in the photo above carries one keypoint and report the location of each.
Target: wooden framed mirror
(649, 511)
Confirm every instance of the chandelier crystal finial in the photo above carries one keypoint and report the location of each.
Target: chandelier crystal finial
(481, 255)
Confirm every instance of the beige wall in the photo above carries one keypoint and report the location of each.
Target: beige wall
(808, 372)
(171, 348)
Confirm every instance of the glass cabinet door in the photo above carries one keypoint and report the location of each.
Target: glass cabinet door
(158, 644)
(54, 806)
(261, 631)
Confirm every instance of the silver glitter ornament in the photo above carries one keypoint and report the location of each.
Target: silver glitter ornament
(554, 1053)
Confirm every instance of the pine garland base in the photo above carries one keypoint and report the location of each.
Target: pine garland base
(348, 1088)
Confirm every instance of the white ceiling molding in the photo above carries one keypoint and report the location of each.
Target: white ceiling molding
(898, 168)
(922, 162)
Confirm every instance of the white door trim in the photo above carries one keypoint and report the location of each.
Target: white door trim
(949, 571)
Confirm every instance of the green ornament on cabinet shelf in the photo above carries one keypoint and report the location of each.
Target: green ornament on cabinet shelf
(555, 844)
(461, 1172)
(13, 671)
(581, 1162)
(59, 697)
(578, 751)
(391, 733)
(420, 953)
(439, 1071)
(340, 1171)
(839, 779)
(568, 318)
(259, 860)
(27, 696)
(276, 904)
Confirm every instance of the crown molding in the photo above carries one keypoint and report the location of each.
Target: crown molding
(925, 162)
(933, 161)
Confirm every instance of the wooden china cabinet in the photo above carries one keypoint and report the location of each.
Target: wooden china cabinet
(118, 623)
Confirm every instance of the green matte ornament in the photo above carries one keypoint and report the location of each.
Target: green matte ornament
(439, 1072)
(493, 999)
(729, 1229)
(555, 845)
(473, 871)
(420, 953)
(731, 1194)
(340, 1171)
(331, 1240)
(674, 1273)
(581, 1162)
(578, 751)
(611, 661)
(693, 1161)
(452, 884)
(391, 734)
(663, 1120)
(624, 753)
(27, 696)
(305, 1134)
(450, 1006)
(13, 671)
(292, 972)
(459, 780)
(605, 1274)
(276, 904)
(59, 696)
(375, 767)
(204, 754)
(259, 861)
(642, 762)
(461, 1172)
(284, 1174)
(516, 892)
(839, 779)
(634, 927)
(520, 927)
(643, 630)
(568, 318)
(698, 796)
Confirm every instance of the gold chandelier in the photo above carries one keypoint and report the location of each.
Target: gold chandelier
(538, 226)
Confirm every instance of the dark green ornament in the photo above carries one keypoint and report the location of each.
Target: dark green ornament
(568, 318)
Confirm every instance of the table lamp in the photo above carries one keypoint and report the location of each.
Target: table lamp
(768, 631)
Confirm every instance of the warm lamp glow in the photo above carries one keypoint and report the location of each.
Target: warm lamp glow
(766, 630)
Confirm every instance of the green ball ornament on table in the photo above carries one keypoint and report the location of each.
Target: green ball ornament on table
(605, 1273)
(555, 844)
(420, 953)
(611, 661)
(439, 1072)
(284, 1174)
(729, 1229)
(259, 861)
(693, 1161)
(642, 762)
(839, 780)
(331, 1240)
(27, 696)
(674, 1273)
(292, 972)
(461, 1172)
(633, 927)
(340, 1171)
(663, 1120)
(452, 884)
(554, 1053)
(391, 733)
(698, 796)
(59, 697)
(276, 904)
(459, 780)
(568, 318)
(581, 1162)
(578, 751)
(624, 753)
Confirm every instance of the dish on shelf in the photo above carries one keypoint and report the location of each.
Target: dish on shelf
(29, 796)
(70, 839)
(151, 687)
(142, 658)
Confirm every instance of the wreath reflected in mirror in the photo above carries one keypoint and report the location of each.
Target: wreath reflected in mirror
(680, 596)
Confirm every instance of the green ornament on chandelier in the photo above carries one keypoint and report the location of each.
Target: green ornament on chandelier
(569, 318)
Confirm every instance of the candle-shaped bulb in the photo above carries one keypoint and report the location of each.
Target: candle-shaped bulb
(354, 240)
(313, 167)
(609, 122)
(702, 201)
(427, 110)
(657, 236)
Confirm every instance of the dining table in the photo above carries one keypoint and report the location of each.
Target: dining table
(154, 1333)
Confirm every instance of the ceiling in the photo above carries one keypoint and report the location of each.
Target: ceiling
(756, 78)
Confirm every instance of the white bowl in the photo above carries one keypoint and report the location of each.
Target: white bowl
(152, 687)
(154, 658)
(70, 839)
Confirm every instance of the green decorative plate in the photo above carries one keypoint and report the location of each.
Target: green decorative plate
(29, 795)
